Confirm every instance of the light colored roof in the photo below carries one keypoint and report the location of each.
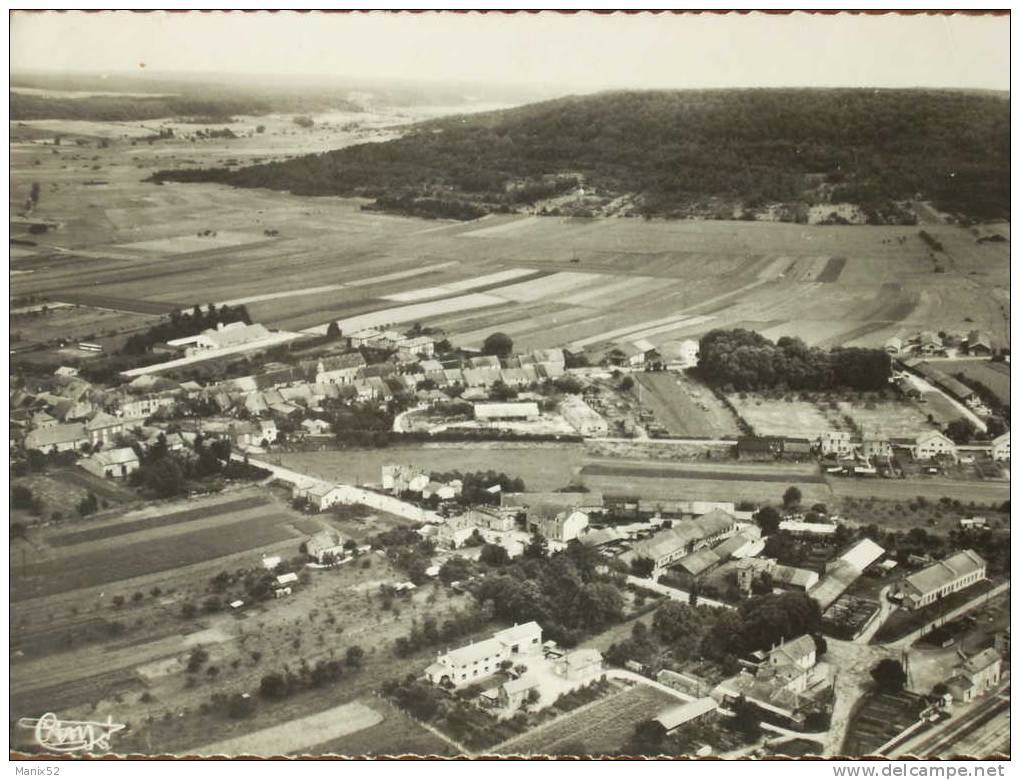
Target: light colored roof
(286, 579)
(700, 561)
(115, 457)
(944, 572)
(790, 575)
(583, 656)
(476, 651)
(484, 361)
(517, 633)
(55, 434)
(102, 420)
(981, 661)
(863, 554)
(235, 333)
(928, 436)
(677, 716)
(794, 650)
(325, 538)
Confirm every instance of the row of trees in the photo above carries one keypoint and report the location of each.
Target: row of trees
(744, 360)
(182, 324)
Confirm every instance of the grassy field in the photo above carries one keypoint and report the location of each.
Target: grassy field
(541, 467)
(155, 521)
(781, 418)
(113, 564)
(708, 481)
(980, 492)
(603, 727)
(396, 735)
(684, 407)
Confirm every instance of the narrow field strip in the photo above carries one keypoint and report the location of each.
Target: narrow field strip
(452, 288)
(297, 735)
(411, 313)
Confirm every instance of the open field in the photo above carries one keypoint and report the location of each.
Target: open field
(108, 531)
(395, 735)
(684, 407)
(542, 467)
(980, 492)
(603, 727)
(141, 558)
(607, 278)
(298, 735)
(723, 481)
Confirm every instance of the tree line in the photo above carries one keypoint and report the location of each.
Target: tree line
(740, 359)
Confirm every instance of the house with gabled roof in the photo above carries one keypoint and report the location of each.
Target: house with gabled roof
(942, 578)
(977, 675)
(117, 463)
(1000, 447)
(103, 427)
(472, 662)
(933, 444)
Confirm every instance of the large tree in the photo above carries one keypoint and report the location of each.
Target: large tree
(498, 344)
(889, 676)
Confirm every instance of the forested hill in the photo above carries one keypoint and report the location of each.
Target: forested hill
(677, 153)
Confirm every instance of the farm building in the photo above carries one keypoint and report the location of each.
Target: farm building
(112, 464)
(841, 573)
(420, 346)
(493, 518)
(364, 338)
(482, 377)
(686, 536)
(57, 438)
(835, 443)
(554, 356)
(582, 417)
(929, 343)
(979, 343)
(320, 495)
(454, 531)
(521, 410)
(400, 478)
(976, 676)
(222, 336)
(792, 578)
(564, 526)
(513, 694)
(325, 545)
(893, 345)
(339, 370)
(1000, 447)
(313, 426)
(679, 355)
(933, 444)
(955, 573)
(103, 427)
(872, 448)
(676, 717)
(471, 662)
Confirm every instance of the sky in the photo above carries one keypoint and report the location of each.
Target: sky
(581, 51)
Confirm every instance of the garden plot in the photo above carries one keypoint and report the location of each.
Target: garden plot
(767, 417)
(180, 245)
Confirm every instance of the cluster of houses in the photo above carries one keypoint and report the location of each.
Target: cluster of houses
(514, 667)
(862, 456)
(977, 343)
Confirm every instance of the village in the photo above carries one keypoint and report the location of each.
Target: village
(848, 589)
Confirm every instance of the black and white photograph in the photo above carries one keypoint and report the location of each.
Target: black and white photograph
(500, 384)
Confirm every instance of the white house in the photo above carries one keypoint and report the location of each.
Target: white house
(113, 464)
(932, 444)
(564, 526)
(942, 578)
(325, 545)
(321, 495)
(480, 659)
(582, 417)
(835, 443)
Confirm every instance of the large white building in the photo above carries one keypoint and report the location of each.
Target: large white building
(480, 659)
(933, 444)
(585, 420)
(942, 578)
